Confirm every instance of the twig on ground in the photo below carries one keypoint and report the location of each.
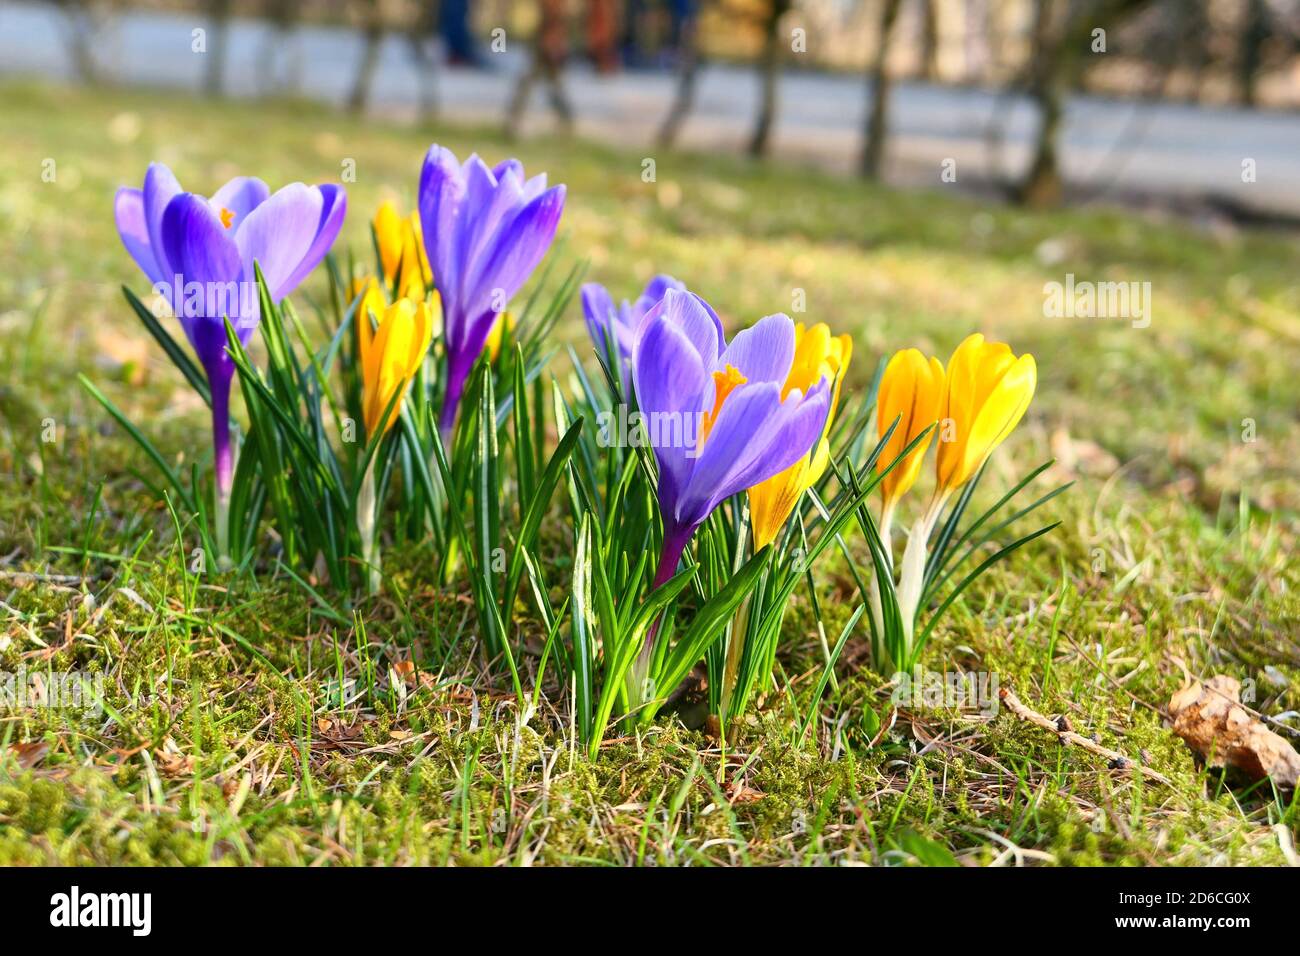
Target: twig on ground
(43, 578)
(1061, 728)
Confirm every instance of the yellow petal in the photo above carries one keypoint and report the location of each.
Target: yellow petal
(388, 236)
(956, 413)
(492, 345)
(911, 391)
(398, 348)
(772, 501)
(1000, 412)
(423, 338)
(371, 307)
(810, 350)
(987, 393)
(841, 350)
(817, 467)
(817, 355)
(416, 276)
(417, 237)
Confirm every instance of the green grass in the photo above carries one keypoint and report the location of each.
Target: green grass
(224, 739)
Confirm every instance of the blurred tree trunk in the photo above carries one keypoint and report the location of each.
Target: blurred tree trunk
(873, 147)
(373, 37)
(1042, 184)
(549, 49)
(219, 18)
(280, 48)
(688, 68)
(420, 37)
(1062, 35)
(930, 39)
(1250, 52)
(770, 67)
(83, 26)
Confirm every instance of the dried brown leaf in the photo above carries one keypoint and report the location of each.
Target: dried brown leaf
(1211, 719)
(29, 755)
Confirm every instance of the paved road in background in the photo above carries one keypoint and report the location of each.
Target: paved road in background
(1120, 147)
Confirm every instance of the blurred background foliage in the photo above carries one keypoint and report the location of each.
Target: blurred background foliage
(1242, 52)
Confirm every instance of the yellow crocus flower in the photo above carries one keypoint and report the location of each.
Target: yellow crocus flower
(493, 344)
(911, 391)
(401, 250)
(372, 302)
(390, 356)
(817, 355)
(988, 389)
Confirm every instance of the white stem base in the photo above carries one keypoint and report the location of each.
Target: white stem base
(911, 576)
(366, 521)
(222, 519)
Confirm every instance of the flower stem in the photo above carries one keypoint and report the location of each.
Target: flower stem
(737, 631)
(366, 520)
(912, 574)
(735, 652)
(224, 472)
(457, 374)
(670, 554)
(887, 530)
(877, 610)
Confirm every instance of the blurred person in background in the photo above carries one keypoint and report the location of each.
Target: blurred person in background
(680, 13)
(602, 28)
(654, 31)
(453, 24)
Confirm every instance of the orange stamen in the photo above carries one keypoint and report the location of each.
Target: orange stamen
(227, 217)
(723, 384)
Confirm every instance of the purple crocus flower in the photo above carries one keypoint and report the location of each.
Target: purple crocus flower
(485, 230)
(604, 318)
(199, 253)
(719, 417)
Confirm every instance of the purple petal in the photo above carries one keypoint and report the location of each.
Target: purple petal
(517, 247)
(197, 243)
(672, 389)
(442, 189)
(128, 212)
(654, 291)
(199, 248)
(474, 333)
(764, 351)
(481, 187)
(279, 234)
(533, 187)
(598, 311)
(696, 319)
(334, 208)
(488, 215)
(740, 436)
(796, 431)
(670, 373)
(755, 436)
(160, 188)
(241, 196)
(625, 336)
(506, 166)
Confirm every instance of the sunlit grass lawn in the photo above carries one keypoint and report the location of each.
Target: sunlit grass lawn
(217, 743)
